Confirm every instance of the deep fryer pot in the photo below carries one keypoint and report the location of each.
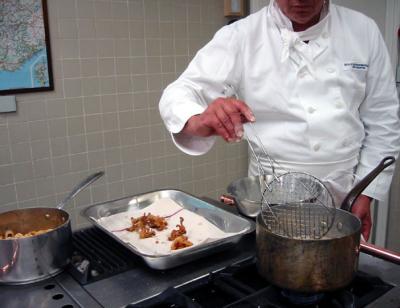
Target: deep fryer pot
(318, 265)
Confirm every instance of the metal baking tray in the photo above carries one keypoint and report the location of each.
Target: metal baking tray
(224, 220)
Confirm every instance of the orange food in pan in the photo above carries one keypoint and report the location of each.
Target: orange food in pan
(9, 234)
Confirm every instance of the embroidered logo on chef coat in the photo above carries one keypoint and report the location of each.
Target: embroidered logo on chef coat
(355, 66)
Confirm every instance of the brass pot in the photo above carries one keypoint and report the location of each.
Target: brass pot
(313, 266)
(310, 266)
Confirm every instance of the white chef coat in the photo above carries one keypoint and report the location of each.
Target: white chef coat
(320, 107)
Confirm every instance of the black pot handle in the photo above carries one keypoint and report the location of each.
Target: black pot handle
(360, 186)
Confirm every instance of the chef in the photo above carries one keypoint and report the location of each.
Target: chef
(313, 77)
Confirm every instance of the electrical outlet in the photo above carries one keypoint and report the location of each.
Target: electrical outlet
(8, 104)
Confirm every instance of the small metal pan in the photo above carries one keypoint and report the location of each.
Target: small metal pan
(246, 194)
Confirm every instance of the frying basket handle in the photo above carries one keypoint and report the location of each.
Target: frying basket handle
(360, 186)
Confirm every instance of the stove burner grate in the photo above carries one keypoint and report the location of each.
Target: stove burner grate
(240, 286)
(97, 256)
(302, 299)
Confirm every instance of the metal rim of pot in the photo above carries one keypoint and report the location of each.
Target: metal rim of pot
(65, 222)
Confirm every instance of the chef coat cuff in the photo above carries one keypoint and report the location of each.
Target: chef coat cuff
(379, 187)
(193, 145)
(181, 114)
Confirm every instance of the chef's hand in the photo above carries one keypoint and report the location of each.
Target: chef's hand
(223, 117)
(362, 209)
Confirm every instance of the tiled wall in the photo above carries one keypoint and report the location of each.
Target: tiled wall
(111, 60)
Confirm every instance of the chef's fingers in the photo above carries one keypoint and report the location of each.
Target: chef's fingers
(242, 108)
(215, 123)
(225, 118)
(235, 118)
(239, 114)
(209, 119)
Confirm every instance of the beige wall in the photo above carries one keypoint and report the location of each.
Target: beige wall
(372, 8)
(111, 60)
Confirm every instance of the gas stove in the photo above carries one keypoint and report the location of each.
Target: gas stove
(240, 285)
(105, 274)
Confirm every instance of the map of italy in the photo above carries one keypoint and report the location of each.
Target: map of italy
(23, 56)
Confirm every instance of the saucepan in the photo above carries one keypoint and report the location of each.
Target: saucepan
(316, 265)
(37, 242)
(246, 194)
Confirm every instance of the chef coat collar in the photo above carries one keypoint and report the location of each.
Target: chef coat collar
(293, 46)
(283, 22)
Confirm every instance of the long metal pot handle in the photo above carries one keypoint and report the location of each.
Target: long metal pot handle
(77, 189)
(360, 186)
(379, 252)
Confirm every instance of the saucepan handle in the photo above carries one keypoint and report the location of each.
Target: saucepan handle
(78, 188)
(227, 199)
(387, 161)
(360, 186)
(379, 252)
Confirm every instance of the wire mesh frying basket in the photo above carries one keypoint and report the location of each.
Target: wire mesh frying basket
(298, 205)
(294, 204)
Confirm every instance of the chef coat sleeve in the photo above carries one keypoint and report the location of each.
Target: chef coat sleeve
(213, 67)
(379, 113)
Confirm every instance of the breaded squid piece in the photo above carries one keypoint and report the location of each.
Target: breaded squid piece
(180, 231)
(146, 232)
(181, 242)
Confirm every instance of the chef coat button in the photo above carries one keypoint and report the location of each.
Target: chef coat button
(311, 109)
(325, 35)
(317, 147)
(330, 70)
